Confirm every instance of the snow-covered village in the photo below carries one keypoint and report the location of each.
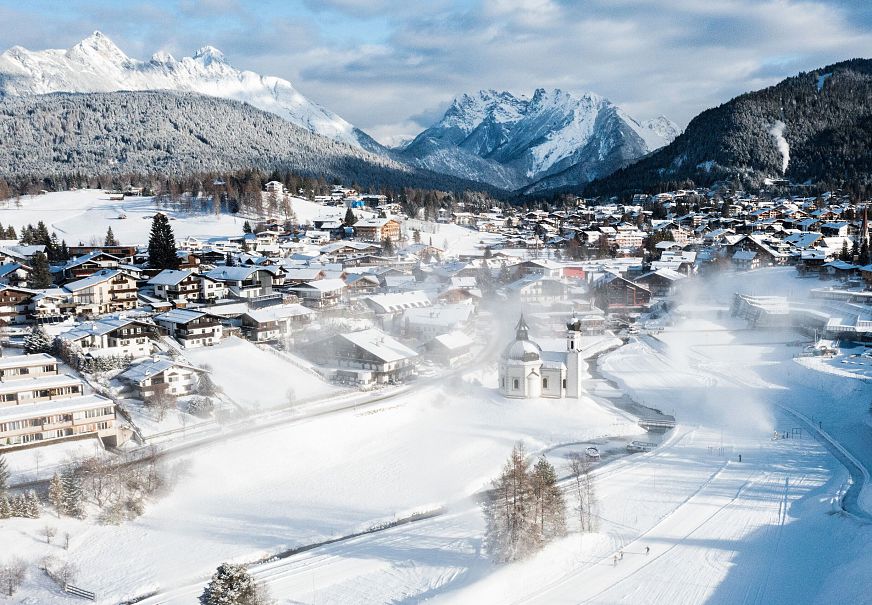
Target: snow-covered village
(536, 351)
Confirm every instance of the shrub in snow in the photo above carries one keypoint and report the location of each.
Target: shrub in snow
(201, 407)
(233, 585)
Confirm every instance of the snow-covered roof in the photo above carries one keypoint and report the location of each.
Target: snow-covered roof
(48, 408)
(380, 345)
(170, 277)
(454, 340)
(390, 303)
(278, 312)
(179, 316)
(146, 369)
(92, 280)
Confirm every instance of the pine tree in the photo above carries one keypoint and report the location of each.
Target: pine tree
(64, 253)
(232, 585)
(4, 474)
(350, 219)
(110, 238)
(73, 503)
(19, 506)
(162, 244)
(550, 519)
(56, 493)
(38, 341)
(40, 275)
(845, 254)
(32, 505)
(246, 227)
(5, 507)
(10, 233)
(387, 247)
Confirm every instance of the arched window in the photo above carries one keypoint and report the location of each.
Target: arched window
(515, 384)
(544, 383)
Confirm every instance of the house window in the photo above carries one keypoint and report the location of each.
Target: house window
(515, 384)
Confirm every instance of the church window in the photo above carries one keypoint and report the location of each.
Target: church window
(544, 383)
(515, 384)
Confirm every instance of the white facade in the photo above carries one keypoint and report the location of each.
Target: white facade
(528, 372)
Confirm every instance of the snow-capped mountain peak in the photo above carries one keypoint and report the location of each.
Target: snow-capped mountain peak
(209, 54)
(524, 139)
(96, 64)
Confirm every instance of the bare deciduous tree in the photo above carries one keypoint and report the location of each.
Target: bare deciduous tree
(580, 469)
(49, 532)
(12, 574)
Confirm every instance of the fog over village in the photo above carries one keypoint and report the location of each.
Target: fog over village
(523, 344)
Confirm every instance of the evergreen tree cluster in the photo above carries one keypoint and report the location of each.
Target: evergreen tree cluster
(828, 122)
(25, 505)
(55, 249)
(524, 509)
(171, 133)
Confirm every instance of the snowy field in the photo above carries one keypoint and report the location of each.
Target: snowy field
(256, 379)
(80, 216)
(764, 530)
(252, 496)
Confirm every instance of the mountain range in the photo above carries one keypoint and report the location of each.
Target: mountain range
(534, 143)
(814, 128)
(503, 141)
(96, 64)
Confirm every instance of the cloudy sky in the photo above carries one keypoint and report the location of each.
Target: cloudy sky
(392, 66)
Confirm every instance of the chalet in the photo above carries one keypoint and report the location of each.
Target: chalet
(274, 322)
(616, 293)
(89, 264)
(449, 349)
(107, 291)
(367, 357)
(172, 284)
(162, 375)
(377, 229)
(359, 284)
(248, 282)
(16, 305)
(662, 282)
(191, 328)
(114, 336)
(14, 274)
(745, 260)
(320, 293)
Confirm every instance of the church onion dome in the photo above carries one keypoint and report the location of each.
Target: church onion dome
(522, 349)
(574, 324)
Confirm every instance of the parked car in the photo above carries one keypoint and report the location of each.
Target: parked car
(592, 453)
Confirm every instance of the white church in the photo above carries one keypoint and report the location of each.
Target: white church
(526, 371)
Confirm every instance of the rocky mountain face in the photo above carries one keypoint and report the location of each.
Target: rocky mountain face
(524, 143)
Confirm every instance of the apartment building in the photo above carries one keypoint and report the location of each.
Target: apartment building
(38, 404)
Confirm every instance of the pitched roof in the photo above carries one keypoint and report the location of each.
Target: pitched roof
(380, 345)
